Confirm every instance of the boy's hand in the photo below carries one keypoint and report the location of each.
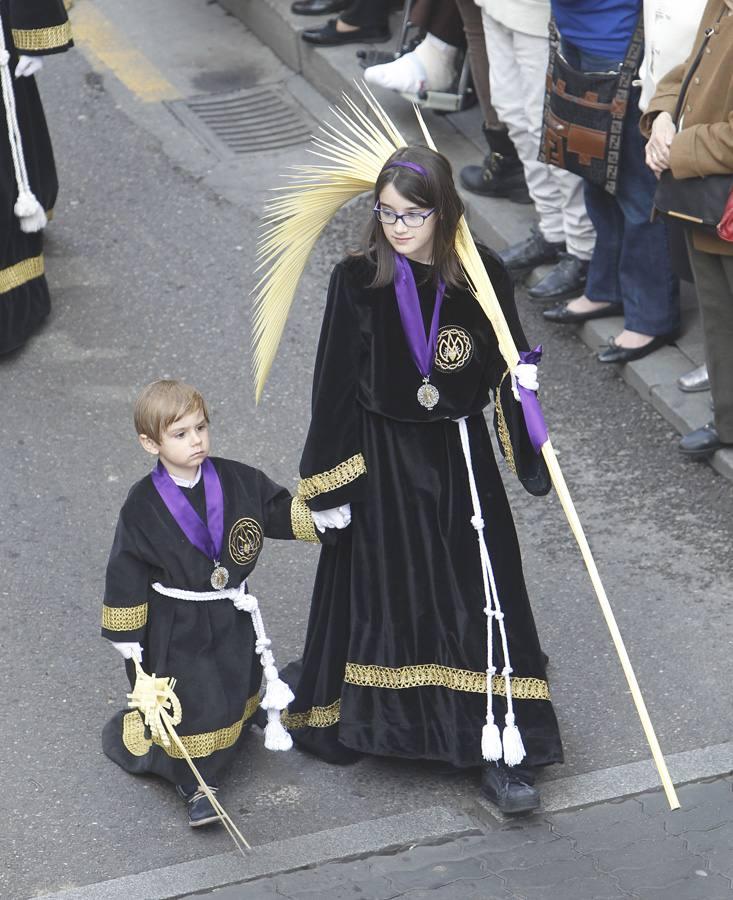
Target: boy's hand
(338, 517)
(129, 650)
(28, 65)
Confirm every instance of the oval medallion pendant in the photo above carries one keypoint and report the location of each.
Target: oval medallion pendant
(219, 578)
(427, 395)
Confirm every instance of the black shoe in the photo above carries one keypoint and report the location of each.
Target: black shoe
(564, 316)
(702, 442)
(501, 174)
(529, 253)
(330, 36)
(200, 810)
(506, 790)
(318, 7)
(616, 354)
(564, 281)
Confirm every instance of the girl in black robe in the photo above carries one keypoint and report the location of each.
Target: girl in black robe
(32, 28)
(395, 656)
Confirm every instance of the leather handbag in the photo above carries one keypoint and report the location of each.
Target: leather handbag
(701, 201)
(584, 113)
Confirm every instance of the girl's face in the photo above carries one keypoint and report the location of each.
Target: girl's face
(413, 242)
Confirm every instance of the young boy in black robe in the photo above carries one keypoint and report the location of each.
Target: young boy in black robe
(188, 536)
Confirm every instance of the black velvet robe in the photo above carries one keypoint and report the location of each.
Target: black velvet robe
(395, 654)
(208, 646)
(31, 28)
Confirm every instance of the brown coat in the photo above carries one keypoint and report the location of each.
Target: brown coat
(704, 145)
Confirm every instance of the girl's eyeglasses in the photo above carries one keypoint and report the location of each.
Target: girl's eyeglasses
(409, 220)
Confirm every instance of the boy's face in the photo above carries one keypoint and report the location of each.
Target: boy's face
(183, 446)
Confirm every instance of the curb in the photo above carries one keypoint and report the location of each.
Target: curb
(332, 70)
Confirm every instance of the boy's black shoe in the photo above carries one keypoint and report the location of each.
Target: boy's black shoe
(507, 790)
(534, 251)
(200, 810)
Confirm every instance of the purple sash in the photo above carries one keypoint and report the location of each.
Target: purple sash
(421, 347)
(206, 538)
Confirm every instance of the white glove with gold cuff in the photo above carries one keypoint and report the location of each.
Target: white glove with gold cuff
(338, 517)
(27, 66)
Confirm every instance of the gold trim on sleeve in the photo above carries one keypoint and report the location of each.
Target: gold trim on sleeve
(342, 474)
(316, 717)
(17, 275)
(36, 39)
(124, 618)
(503, 428)
(301, 521)
(433, 675)
(197, 745)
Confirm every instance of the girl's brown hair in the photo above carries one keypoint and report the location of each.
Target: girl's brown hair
(436, 191)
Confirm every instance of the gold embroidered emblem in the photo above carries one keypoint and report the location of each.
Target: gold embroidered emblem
(245, 540)
(455, 349)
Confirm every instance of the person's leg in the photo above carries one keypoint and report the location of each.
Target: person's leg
(476, 43)
(650, 292)
(445, 23)
(714, 286)
(371, 13)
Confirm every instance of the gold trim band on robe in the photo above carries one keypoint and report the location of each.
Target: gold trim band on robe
(316, 717)
(124, 618)
(197, 745)
(433, 675)
(341, 475)
(37, 39)
(18, 274)
(301, 521)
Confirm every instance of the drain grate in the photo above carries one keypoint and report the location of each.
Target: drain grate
(248, 121)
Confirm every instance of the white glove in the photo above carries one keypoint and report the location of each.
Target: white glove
(338, 517)
(28, 65)
(524, 374)
(128, 650)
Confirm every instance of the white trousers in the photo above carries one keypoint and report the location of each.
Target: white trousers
(517, 71)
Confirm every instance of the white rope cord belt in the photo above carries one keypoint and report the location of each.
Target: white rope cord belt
(492, 743)
(27, 208)
(277, 694)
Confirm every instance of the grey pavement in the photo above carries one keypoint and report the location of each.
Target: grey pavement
(150, 258)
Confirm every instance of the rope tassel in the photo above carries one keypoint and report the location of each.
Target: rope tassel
(510, 745)
(27, 208)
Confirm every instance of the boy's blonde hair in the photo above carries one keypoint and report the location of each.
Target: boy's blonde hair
(163, 402)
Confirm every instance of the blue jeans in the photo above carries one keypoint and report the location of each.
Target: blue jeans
(631, 262)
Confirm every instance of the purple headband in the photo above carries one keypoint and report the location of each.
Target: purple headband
(409, 165)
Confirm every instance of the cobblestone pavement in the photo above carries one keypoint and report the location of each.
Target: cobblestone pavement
(632, 848)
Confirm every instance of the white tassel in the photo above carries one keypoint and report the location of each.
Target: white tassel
(514, 751)
(30, 213)
(276, 737)
(277, 695)
(491, 742)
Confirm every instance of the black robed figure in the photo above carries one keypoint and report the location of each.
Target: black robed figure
(395, 656)
(31, 28)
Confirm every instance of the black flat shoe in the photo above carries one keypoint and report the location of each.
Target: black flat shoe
(507, 791)
(318, 7)
(702, 442)
(616, 354)
(330, 36)
(561, 315)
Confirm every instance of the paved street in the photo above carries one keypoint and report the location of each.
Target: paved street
(150, 260)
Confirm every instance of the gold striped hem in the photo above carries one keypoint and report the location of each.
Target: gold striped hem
(36, 39)
(17, 275)
(316, 717)
(433, 675)
(124, 618)
(342, 474)
(503, 428)
(301, 521)
(197, 745)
